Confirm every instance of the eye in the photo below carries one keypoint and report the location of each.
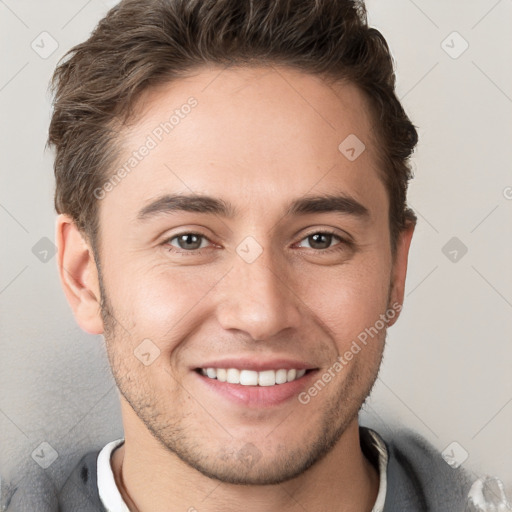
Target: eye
(187, 242)
(322, 240)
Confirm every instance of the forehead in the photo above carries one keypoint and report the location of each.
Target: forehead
(250, 133)
(268, 101)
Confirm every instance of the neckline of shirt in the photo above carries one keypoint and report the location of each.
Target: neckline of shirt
(112, 500)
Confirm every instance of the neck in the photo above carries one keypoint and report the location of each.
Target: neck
(152, 479)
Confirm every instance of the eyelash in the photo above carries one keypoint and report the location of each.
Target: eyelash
(343, 243)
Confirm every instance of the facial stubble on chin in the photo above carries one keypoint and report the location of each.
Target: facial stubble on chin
(225, 466)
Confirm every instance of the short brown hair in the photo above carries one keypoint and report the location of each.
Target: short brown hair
(141, 44)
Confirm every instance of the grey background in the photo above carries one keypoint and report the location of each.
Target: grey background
(447, 366)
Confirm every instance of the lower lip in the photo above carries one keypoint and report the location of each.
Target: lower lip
(258, 396)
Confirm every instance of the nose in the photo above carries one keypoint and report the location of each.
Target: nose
(258, 298)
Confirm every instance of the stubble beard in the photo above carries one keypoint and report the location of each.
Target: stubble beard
(226, 465)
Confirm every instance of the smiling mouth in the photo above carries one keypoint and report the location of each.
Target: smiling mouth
(264, 378)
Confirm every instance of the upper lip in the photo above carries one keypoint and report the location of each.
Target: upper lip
(258, 364)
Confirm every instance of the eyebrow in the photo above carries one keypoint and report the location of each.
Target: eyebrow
(325, 203)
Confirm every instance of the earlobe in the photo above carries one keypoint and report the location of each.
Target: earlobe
(399, 271)
(78, 275)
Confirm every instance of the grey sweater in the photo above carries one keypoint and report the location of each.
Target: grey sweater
(418, 478)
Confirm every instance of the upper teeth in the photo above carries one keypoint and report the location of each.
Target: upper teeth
(252, 378)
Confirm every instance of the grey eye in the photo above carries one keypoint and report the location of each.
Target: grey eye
(188, 241)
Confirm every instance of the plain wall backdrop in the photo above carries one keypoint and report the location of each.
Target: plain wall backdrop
(447, 366)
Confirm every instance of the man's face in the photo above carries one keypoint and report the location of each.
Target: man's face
(261, 286)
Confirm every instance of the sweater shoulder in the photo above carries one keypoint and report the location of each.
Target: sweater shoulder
(420, 479)
(80, 491)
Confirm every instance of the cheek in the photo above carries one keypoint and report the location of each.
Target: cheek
(160, 303)
(350, 300)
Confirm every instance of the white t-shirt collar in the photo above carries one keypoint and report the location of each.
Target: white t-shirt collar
(113, 501)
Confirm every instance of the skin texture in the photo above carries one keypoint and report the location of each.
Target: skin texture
(259, 138)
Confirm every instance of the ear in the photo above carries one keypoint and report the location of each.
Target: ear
(399, 270)
(78, 275)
